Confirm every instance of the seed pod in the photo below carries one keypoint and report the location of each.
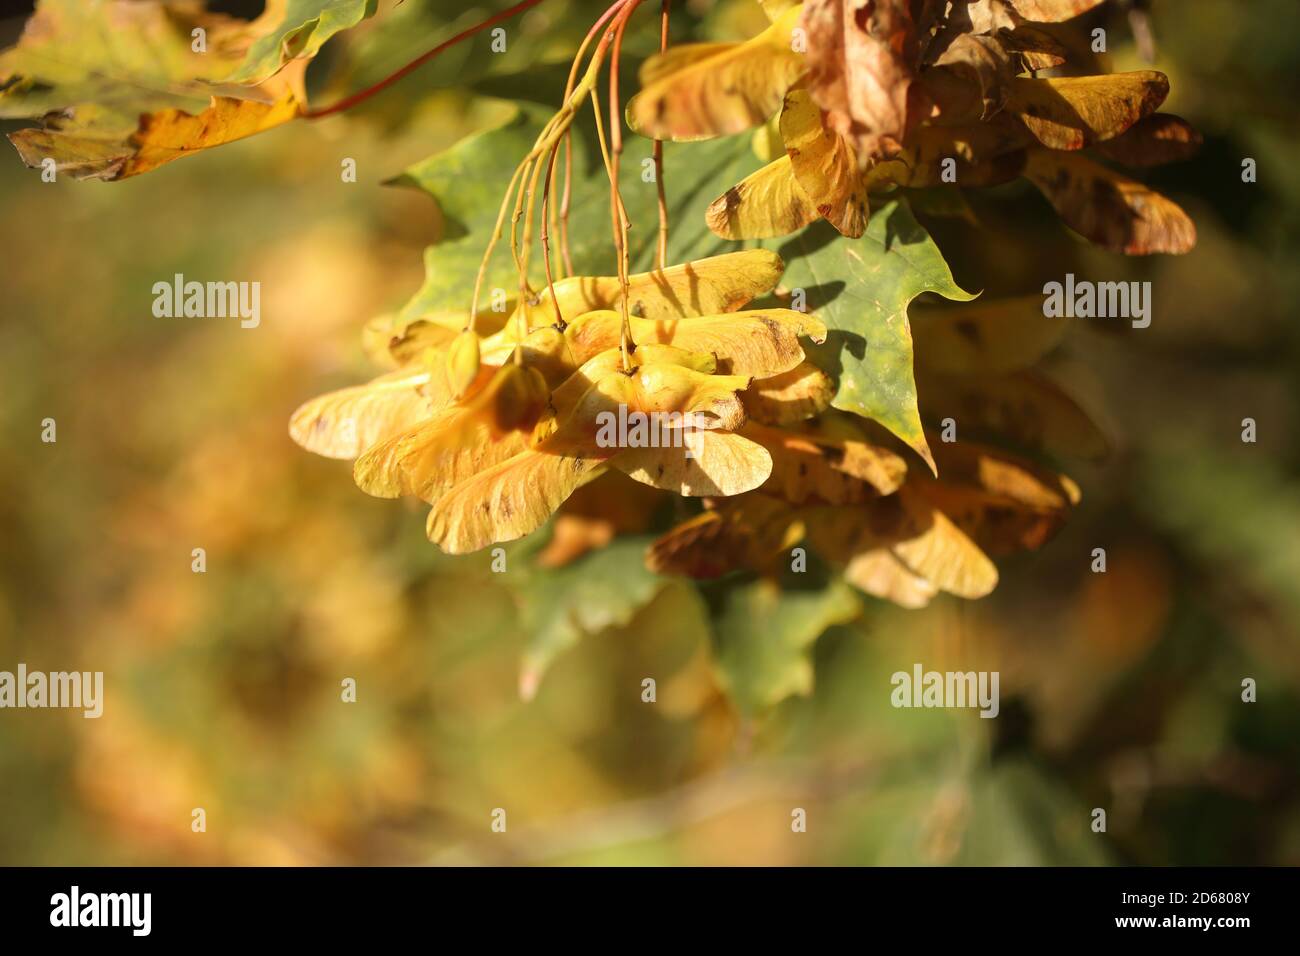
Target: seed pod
(462, 362)
(520, 400)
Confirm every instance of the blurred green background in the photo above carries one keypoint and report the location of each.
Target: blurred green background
(1119, 690)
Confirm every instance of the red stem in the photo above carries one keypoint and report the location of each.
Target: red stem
(358, 97)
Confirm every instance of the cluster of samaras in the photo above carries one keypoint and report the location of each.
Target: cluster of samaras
(778, 465)
(497, 428)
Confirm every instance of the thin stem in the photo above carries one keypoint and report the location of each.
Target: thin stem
(547, 138)
(600, 131)
(600, 140)
(362, 95)
(492, 241)
(546, 239)
(621, 222)
(568, 137)
(525, 290)
(522, 321)
(564, 205)
(658, 153)
(614, 212)
(550, 215)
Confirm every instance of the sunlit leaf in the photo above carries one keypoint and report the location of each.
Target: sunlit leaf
(161, 100)
(296, 29)
(861, 289)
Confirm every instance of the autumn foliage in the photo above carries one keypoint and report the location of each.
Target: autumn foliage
(824, 411)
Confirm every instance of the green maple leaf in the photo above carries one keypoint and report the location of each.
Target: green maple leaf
(560, 607)
(861, 289)
(764, 635)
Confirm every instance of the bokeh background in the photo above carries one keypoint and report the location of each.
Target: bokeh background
(1119, 690)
